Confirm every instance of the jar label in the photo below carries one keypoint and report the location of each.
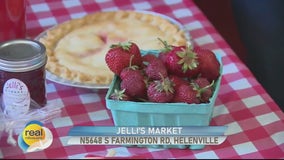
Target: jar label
(16, 98)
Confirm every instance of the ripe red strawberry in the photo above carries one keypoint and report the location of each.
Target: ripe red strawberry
(161, 91)
(178, 81)
(134, 86)
(208, 64)
(120, 95)
(164, 52)
(119, 55)
(186, 94)
(182, 61)
(131, 69)
(156, 70)
(149, 58)
(204, 89)
(126, 72)
(163, 57)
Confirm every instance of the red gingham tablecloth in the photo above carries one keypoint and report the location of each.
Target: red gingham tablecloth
(256, 127)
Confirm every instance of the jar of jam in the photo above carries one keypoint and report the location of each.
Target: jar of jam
(22, 75)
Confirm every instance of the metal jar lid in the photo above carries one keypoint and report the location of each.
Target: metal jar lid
(22, 55)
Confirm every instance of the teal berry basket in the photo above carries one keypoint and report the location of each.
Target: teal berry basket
(130, 113)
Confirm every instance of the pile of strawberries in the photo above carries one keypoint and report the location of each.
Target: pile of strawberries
(177, 74)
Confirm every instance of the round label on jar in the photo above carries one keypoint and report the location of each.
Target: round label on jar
(16, 98)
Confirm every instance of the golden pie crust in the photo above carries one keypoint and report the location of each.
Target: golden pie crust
(76, 49)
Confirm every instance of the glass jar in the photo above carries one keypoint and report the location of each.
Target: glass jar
(22, 75)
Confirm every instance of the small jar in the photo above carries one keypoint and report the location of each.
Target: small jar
(22, 75)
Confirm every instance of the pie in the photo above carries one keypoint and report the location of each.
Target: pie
(76, 49)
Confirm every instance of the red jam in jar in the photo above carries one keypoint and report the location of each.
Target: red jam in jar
(22, 73)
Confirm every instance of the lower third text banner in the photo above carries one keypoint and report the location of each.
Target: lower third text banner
(106, 135)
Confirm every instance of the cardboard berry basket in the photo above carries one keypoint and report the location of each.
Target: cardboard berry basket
(130, 113)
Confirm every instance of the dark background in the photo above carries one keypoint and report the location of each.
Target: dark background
(255, 31)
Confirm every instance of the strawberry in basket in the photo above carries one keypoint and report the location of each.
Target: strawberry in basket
(174, 74)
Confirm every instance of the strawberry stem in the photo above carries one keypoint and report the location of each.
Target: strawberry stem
(118, 94)
(134, 67)
(201, 90)
(165, 84)
(124, 45)
(167, 47)
(188, 58)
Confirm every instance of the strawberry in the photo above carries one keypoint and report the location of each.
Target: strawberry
(186, 94)
(120, 95)
(182, 61)
(164, 52)
(204, 89)
(126, 72)
(208, 64)
(134, 85)
(131, 69)
(119, 55)
(156, 70)
(160, 91)
(148, 58)
(178, 81)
